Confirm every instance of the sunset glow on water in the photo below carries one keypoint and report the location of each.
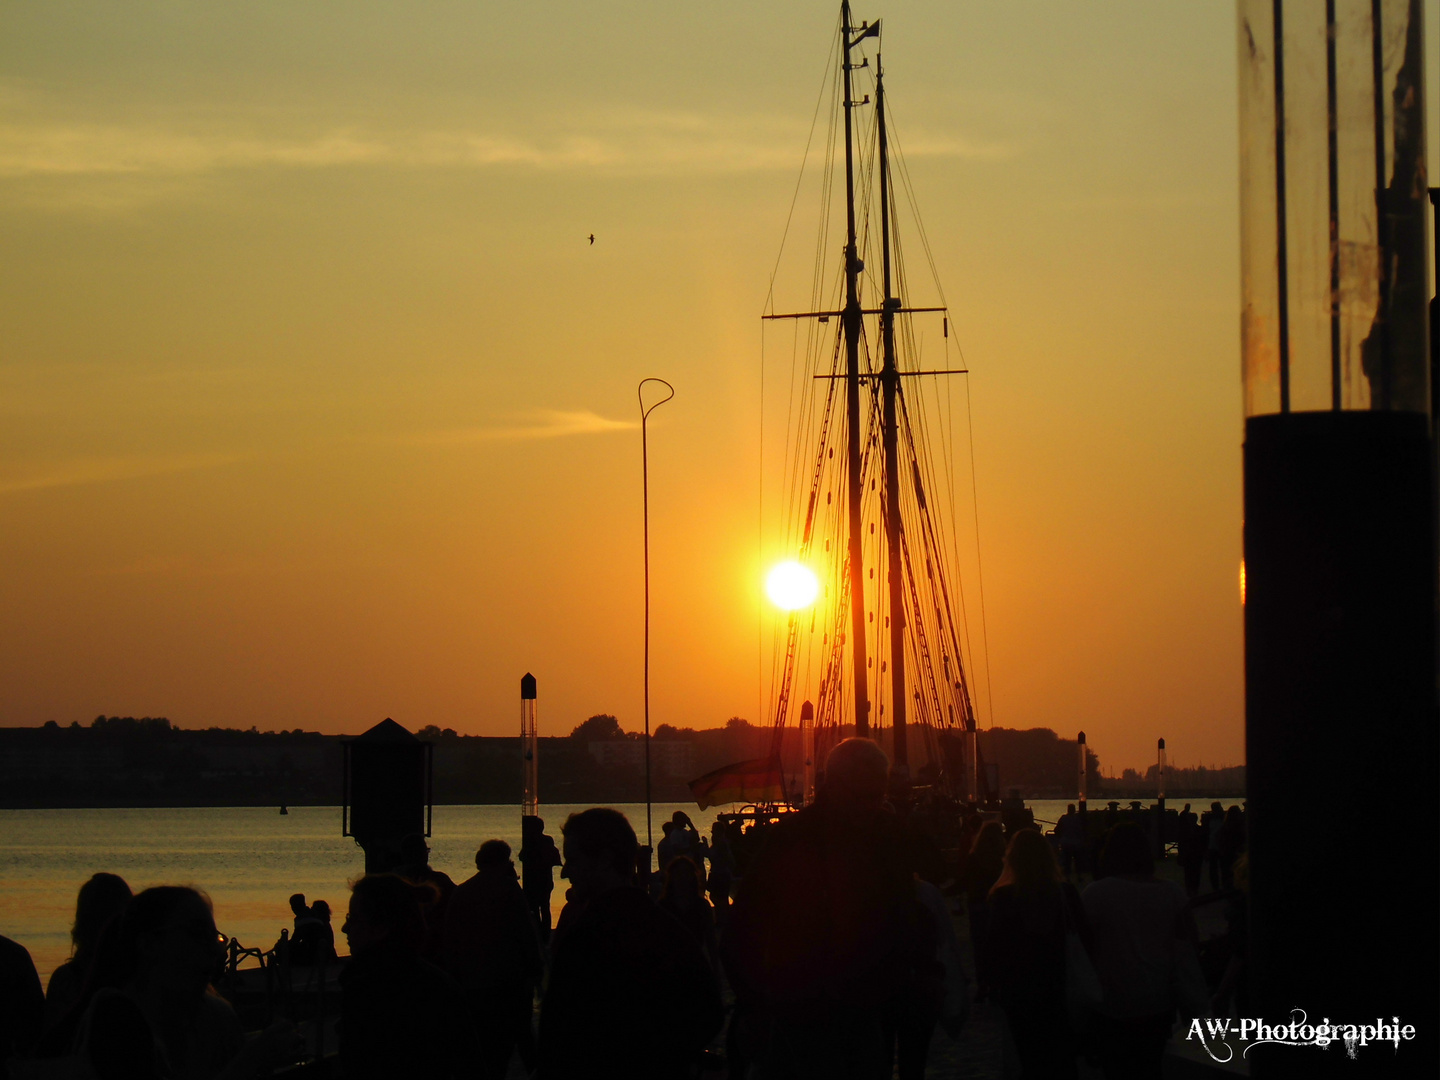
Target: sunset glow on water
(248, 859)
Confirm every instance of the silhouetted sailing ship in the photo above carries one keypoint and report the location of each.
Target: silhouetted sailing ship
(863, 494)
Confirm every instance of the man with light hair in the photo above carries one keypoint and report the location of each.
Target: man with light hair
(827, 933)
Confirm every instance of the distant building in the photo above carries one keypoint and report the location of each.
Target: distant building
(668, 757)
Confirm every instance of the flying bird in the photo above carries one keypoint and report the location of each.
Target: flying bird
(592, 239)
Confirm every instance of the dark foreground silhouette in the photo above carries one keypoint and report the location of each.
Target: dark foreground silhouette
(831, 927)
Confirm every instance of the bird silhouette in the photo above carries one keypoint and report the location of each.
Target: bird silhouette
(592, 239)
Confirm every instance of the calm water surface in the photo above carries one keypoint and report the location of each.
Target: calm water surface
(249, 859)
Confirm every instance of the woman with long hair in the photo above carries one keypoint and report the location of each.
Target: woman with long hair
(1031, 909)
(148, 1008)
(100, 900)
(977, 877)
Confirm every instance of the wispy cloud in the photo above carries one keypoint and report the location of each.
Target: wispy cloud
(623, 140)
(89, 150)
(542, 424)
(99, 470)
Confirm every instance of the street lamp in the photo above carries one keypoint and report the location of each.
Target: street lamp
(645, 411)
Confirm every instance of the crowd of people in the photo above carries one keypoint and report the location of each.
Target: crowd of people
(829, 932)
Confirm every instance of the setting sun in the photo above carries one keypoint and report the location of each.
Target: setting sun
(792, 586)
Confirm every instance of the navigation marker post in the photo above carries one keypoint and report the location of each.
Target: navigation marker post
(529, 745)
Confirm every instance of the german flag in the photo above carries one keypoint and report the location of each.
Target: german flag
(757, 781)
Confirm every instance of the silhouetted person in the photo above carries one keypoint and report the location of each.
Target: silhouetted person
(1190, 844)
(415, 868)
(722, 871)
(1023, 962)
(630, 994)
(314, 940)
(1138, 925)
(667, 848)
(1231, 843)
(491, 946)
(681, 838)
(150, 1009)
(1231, 996)
(1212, 822)
(538, 858)
(683, 896)
(100, 900)
(826, 932)
(299, 909)
(1070, 832)
(982, 869)
(22, 1003)
(400, 1015)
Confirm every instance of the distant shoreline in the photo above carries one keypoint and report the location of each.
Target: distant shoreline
(1096, 801)
(121, 762)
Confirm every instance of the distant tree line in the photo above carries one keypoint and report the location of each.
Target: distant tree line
(145, 761)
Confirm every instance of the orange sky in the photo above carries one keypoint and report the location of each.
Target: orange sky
(319, 408)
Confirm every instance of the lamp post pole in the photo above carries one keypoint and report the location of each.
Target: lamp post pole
(645, 411)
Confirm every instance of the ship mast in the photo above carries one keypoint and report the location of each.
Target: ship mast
(850, 318)
(890, 388)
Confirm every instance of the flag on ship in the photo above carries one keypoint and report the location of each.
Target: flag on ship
(758, 780)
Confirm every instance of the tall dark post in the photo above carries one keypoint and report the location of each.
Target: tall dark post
(890, 388)
(1160, 800)
(850, 319)
(1080, 784)
(645, 411)
(387, 792)
(1339, 541)
(807, 748)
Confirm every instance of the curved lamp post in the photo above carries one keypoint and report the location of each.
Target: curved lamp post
(645, 411)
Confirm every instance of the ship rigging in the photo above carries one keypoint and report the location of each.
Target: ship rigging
(861, 458)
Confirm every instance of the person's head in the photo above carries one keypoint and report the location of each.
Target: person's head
(667, 827)
(682, 880)
(383, 907)
(1234, 814)
(1127, 852)
(166, 940)
(1216, 807)
(857, 773)
(1187, 809)
(531, 827)
(990, 840)
(1029, 862)
(681, 820)
(297, 903)
(1069, 808)
(100, 899)
(321, 910)
(414, 851)
(600, 850)
(493, 854)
